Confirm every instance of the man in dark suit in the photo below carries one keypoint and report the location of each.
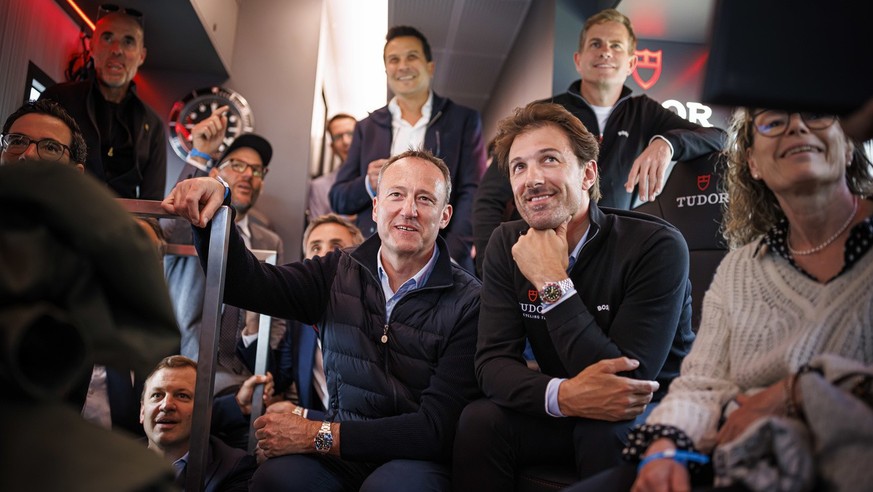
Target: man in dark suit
(243, 165)
(166, 413)
(415, 118)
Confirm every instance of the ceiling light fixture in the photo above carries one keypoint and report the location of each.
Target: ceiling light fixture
(84, 17)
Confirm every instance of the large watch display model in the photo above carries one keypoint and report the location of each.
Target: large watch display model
(324, 438)
(553, 291)
(199, 105)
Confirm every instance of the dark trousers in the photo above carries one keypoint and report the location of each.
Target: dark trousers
(308, 472)
(492, 443)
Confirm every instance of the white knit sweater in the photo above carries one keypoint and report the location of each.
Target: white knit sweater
(761, 321)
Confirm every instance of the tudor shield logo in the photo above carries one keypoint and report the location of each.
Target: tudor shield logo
(650, 61)
(532, 295)
(703, 181)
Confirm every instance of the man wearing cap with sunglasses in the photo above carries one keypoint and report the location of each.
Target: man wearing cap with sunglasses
(126, 139)
(243, 166)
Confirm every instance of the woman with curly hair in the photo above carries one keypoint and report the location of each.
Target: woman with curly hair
(796, 284)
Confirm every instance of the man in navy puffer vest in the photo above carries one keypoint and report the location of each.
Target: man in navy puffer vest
(397, 321)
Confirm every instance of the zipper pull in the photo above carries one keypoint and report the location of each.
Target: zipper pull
(385, 334)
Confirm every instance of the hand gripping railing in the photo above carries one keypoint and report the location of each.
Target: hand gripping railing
(215, 270)
(214, 293)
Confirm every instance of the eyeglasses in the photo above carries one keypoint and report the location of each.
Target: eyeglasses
(772, 123)
(111, 8)
(339, 136)
(47, 148)
(258, 171)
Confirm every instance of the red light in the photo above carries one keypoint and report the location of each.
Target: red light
(81, 14)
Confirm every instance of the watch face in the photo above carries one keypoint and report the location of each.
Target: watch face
(323, 441)
(551, 292)
(199, 105)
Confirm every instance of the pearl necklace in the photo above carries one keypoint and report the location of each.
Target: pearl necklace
(829, 240)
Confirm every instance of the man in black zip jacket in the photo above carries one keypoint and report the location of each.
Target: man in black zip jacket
(602, 295)
(638, 137)
(126, 139)
(397, 323)
(416, 118)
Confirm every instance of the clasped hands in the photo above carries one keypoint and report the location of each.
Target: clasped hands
(281, 432)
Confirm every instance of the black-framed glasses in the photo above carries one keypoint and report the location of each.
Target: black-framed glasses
(258, 171)
(111, 8)
(47, 148)
(774, 122)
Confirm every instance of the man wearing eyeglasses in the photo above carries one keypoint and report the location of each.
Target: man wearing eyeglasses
(243, 166)
(42, 130)
(340, 128)
(126, 139)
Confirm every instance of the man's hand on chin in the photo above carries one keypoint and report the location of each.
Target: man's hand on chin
(541, 255)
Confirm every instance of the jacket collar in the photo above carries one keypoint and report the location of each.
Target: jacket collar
(130, 98)
(382, 116)
(575, 90)
(365, 255)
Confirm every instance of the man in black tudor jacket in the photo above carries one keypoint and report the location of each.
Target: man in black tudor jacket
(602, 295)
(397, 321)
(638, 137)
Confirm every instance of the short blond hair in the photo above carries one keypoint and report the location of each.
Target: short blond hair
(170, 362)
(609, 15)
(424, 155)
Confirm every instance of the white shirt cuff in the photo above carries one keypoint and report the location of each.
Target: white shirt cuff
(567, 295)
(659, 137)
(552, 407)
(368, 188)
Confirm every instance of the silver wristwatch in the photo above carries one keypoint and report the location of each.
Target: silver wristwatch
(553, 291)
(324, 438)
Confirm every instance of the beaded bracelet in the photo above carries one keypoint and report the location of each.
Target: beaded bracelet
(641, 437)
